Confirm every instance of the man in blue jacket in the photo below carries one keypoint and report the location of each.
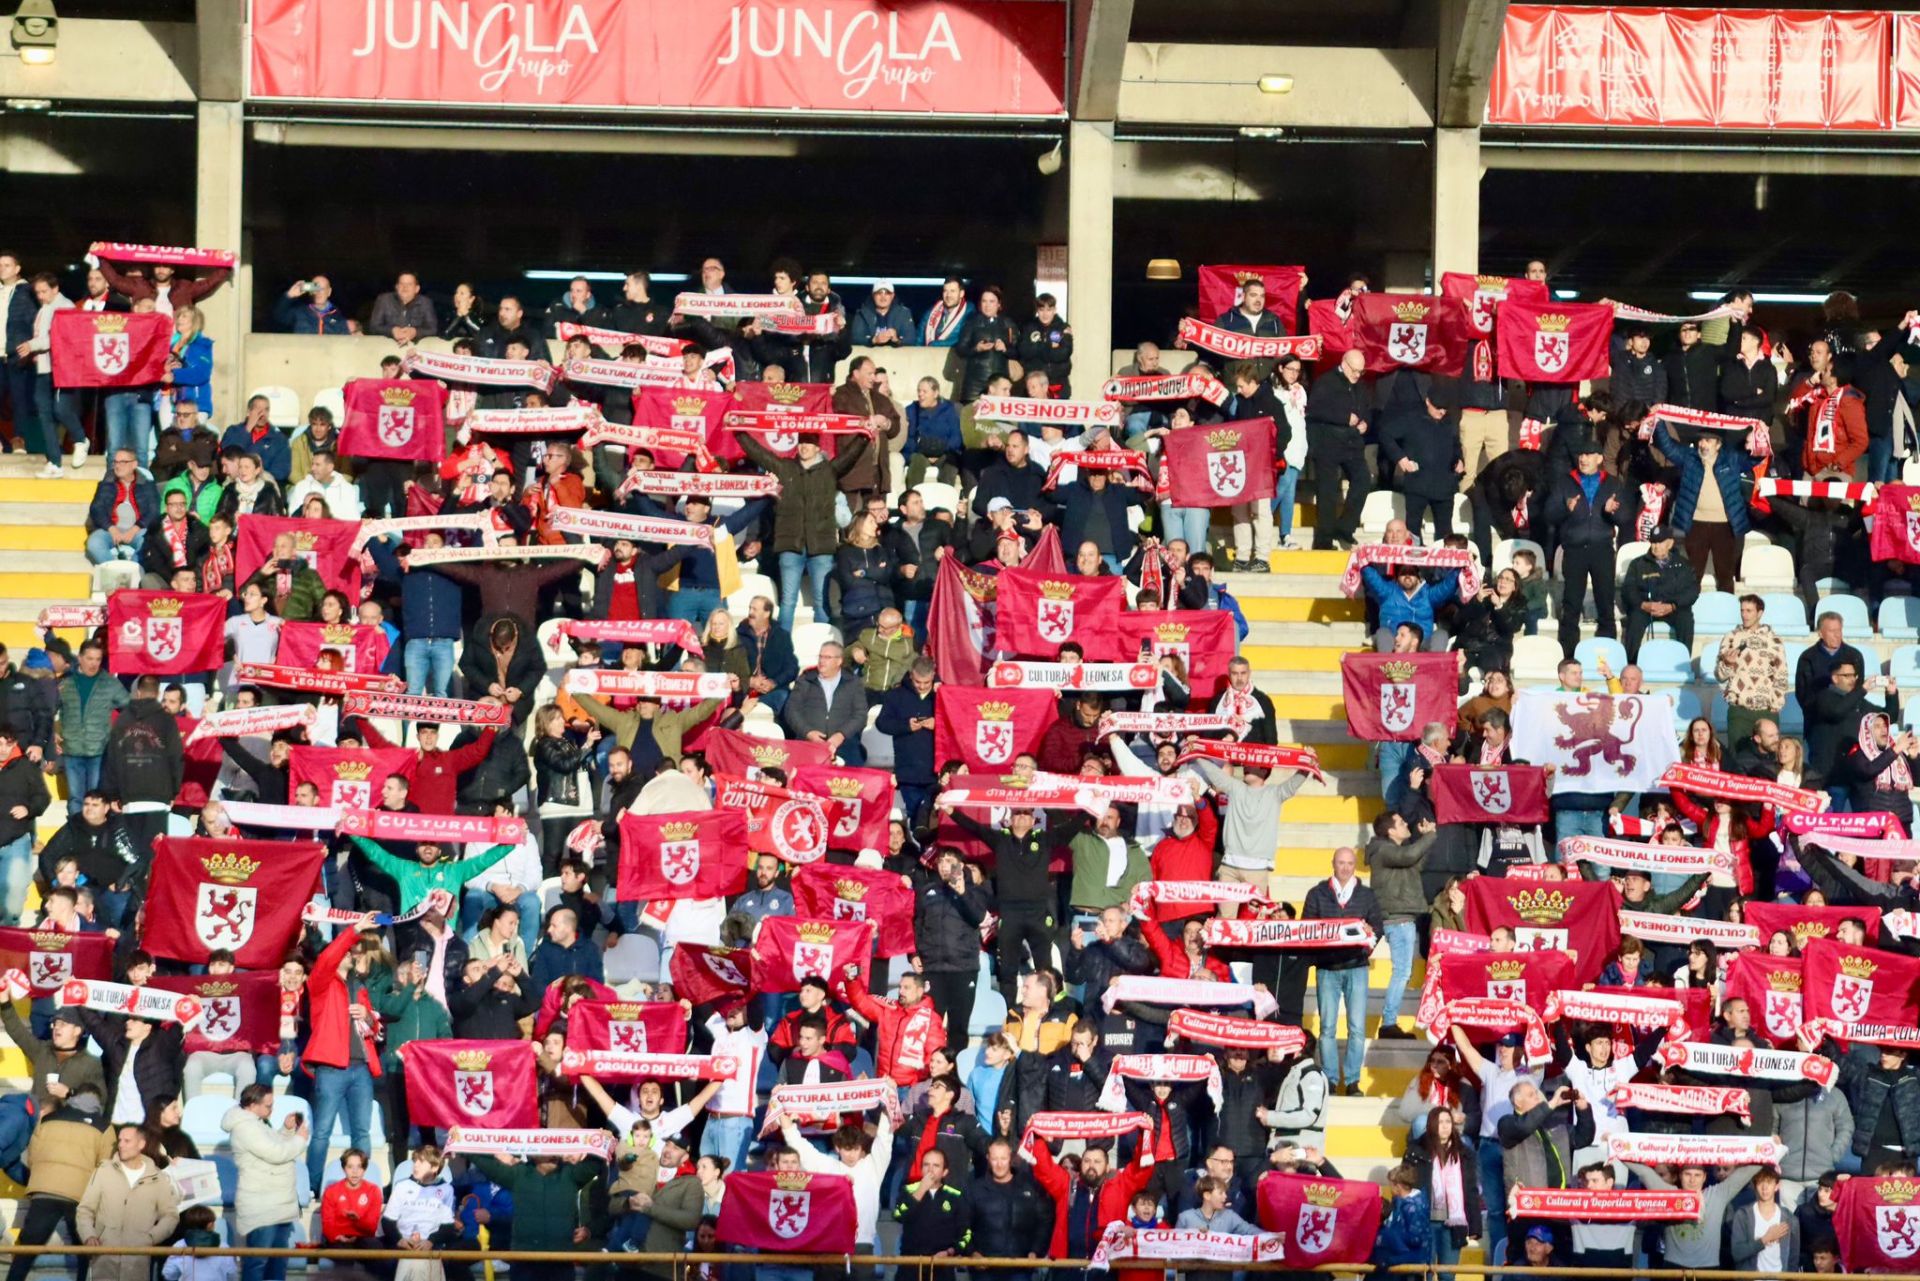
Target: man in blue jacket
(907, 718)
(882, 322)
(124, 504)
(307, 308)
(430, 614)
(1407, 598)
(257, 435)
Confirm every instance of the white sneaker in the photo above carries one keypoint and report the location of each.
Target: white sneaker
(50, 472)
(80, 452)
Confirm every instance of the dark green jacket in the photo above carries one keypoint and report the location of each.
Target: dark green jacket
(408, 1014)
(546, 1207)
(84, 725)
(803, 519)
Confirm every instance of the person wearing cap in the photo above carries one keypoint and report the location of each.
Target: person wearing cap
(1712, 518)
(70, 1143)
(197, 481)
(58, 1064)
(1404, 597)
(1584, 509)
(1659, 587)
(882, 321)
(1002, 523)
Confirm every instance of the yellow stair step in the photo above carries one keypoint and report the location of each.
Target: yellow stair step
(42, 538)
(1299, 609)
(68, 489)
(19, 638)
(1365, 1142)
(1308, 707)
(1344, 756)
(75, 586)
(1297, 658)
(1331, 809)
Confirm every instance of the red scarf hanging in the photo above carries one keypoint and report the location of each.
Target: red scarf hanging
(1653, 505)
(176, 532)
(216, 571)
(1521, 517)
(1895, 777)
(1823, 421)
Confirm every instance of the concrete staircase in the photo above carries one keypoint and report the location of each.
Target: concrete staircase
(43, 538)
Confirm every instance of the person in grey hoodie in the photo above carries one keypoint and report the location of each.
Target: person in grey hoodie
(1696, 1245)
(1252, 830)
(1817, 1127)
(1213, 1214)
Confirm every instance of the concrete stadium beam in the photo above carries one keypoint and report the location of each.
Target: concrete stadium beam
(105, 61)
(1655, 157)
(1099, 52)
(223, 49)
(375, 135)
(1469, 38)
(1218, 85)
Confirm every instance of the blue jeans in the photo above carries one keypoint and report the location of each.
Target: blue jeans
(693, 604)
(332, 1088)
(817, 569)
(1403, 940)
(1331, 989)
(129, 418)
(1390, 760)
(16, 869)
(1443, 1250)
(1576, 823)
(83, 775)
(728, 1136)
(1880, 468)
(429, 666)
(57, 409)
(475, 903)
(1114, 565)
(1189, 524)
(1493, 1195)
(255, 1268)
(101, 548)
(1285, 485)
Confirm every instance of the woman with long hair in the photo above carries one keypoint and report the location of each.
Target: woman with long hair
(468, 316)
(1698, 746)
(189, 370)
(865, 571)
(1486, 625)
(985, 345)
(1290, 389)
(557, 763)
(1452, 1178)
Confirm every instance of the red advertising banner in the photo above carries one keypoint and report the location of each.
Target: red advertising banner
(108, 348)
(1561, 342)
(845, 57)
(986, 729)
(1410, 331)
(467, 1083)
(245, 896)
(1037, 613)
(1220, 290)
(165, 633)
(395, 418)
(1695, 69)
(1202, 639)
(1221, 464)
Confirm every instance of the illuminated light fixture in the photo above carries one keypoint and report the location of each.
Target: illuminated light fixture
(1801, 300)
(1566, 295)
(28, 104)
(1275, 83)
(1163, 269)
(36, 32)
(1262, 131)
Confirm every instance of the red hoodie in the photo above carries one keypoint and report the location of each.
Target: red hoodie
(435, 785)
(1190, 860)
(1174, 962)
(328, 996)
(907, 1035)
(350, 1214)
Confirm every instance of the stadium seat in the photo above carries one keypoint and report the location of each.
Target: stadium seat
(807, 640)
(1904, 665)
(1628, 553)
(1900, 618)
(634, 959)
(938, 493)
(989, 1012)
(1786, 615)
(200, 1118)
(1687, 705)
(964, 1061)
(1536, 659)
(752, 585)
(1666, 662)
(283, 406)
(1852, 610)
(1504, 549)
(762, 728)
(1382, 506)
(115, 575)
(1715, 613)
(1767, 569)
(1591, 650)
(1717, 715)
(1793, 722)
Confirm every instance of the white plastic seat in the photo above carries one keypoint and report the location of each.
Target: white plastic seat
(1852, 610)
(1767, 569)
(1382, 505)
(635, 958)
(938, 493)
(1787, 615)
(1666, 662)
(283, 405)
(1535, 659)
(1716, 613)
(752, 585)
(809, 637)
(1628, 553)
(1504, 549)
(334, 401)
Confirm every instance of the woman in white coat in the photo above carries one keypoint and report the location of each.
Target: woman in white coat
(266, 1204)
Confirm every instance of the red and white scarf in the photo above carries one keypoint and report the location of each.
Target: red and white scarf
(1824, 419)
(483, 370)
(1460, 558)
(628, 631)
(1683, 1100)
(1154, 990)
(1170, 725)
(1866, 1033)
(592, 553)
(1839, 491)
(1156, 1067)
(1328, 932)
(1897, 851)
(1653, 506)
(604, 683)
(830, 1098)
(1204, 1028)
(943, 322)
(1094, 460)
(1235, 346)
(1872, 823)
(1696, 1149)
(1622, 311)
(1064, 413)
(759, 305)
(1678, 931)
(283, 818)
(73, 616)
(1765, 1065)
(620, 340)
(437, 903)
(1615, 1205)
(419, 707)
(1167, 387)
(1896, 777)
(1268, 757)
(659, 1067)
(134, 1002)
(242, 721)
(1122, 1241)
(1084, 1125)
(781, 422)
(1522, 514)
(1759, 445)
(1736, 787)
(1012, 674)
(1187, 893)
(532, 1144)
(305, 681)
(440, 829)
(1626, 856)
(1493, 1014)
(682, 484)
(1532, 430)
(538, 420)
(639, 529)
(1643, 1013)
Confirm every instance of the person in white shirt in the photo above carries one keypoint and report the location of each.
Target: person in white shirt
(1764, 1236)
(513, 882)
(254, 632)
(53, 409)
(730, 1112)
(324, 480)
(862, 1159)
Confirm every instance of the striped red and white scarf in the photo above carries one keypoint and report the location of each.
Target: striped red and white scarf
(1840, 491)
(1365, 554)
(1625, 311)
(1204, 1028)
(1682, 1100)
(1653, 506)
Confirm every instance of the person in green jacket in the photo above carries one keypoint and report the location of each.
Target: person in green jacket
(669, 729)
(546, 1205)
(89, 696)
(432, 872)
(200, 485)
(884, 651)
(408, 1012)
(1094, 884)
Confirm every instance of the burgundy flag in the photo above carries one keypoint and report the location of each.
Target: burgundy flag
(1804, 924)
(788, 1213)
(1203, 639)
(699, 854)
(1221, 465)
(960, 621)
(859, 803)
(791, 948)
(210, 893)
(986, 729)
(49, 957)
(349, 777)
(1332, 319)
(1771, 987)
(1325, 1220)
(778, 398)
(165, 633)
(1557, 342)
(1860, 984)
(790, 825)
(471, 1083)
(704, 974)
(1472, 794)
(1877, 1221)
(1410, 331)
(837, 893)
(729, 751)
(1896, 523)
(1527, 977)
(1391, 697)
(1037, 613)
(1220, 288)
(1480, 296)
(335, 647)
(109, 348)
(328, 546)
(690, 409)
(1580, 918)
(403, 418)
(239, 1012)
(644, 1027)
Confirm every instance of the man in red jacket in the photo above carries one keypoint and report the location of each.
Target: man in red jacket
(909, 1030)
(1185, 853)
(841, 1034)
(1089, 1201)
(343, 1051)
(436, 775)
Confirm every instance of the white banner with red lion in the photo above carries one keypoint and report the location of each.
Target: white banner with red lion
(1596, 742)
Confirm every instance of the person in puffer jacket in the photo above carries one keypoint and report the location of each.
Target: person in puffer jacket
(907, 1030)
(947, 914)
(1817, 1127)
(266, 1203)
(1406, 1231)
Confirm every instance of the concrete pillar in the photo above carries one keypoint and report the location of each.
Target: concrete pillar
(217, 224)
(1090, 253)
(1456, 201)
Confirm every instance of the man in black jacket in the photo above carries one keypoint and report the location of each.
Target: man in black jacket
(25, 705)
(1339, 407)
(1423, 449)
(1748, 381)
(917, 542)
(1659, 587)
(1693, 369)
(1341, 972)
(1223, 1162)
(1019, 480)
(1635, 374)
(1247, 1086)
(159, 1059)
(510, 326)
(1884, 1092)
(1833, 722)
(935, 1218)
(97, 841)
(1046, 344)
(1023, 892)
(947, 914)
(1584, 510)
(638, 313)
(1012, 1216)
(144, 763)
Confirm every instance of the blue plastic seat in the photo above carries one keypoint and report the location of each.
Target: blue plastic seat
(1852, 610)
(1786, 614)
(1715, 613)
(1900, 618)
(1666, 662)
(1588, 652)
